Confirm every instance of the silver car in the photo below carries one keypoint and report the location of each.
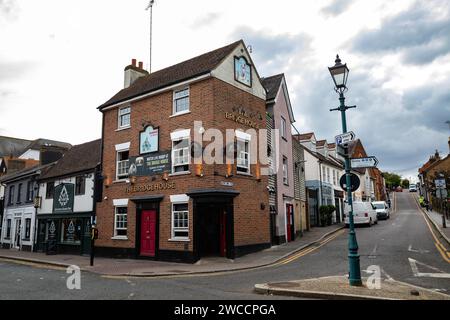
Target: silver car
(382, 209)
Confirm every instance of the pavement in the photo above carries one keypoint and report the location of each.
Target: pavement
(146, 268)
(436, 219)
(337, 288)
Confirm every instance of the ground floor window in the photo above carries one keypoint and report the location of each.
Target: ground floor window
(180, 221)
(8, 229)
(120, 221)
(71, 231)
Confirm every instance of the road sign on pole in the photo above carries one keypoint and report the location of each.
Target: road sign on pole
(369, 162)
(440, 183)
(345, 138)
(354, 182)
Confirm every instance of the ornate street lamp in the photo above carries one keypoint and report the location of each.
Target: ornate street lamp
(339, 73)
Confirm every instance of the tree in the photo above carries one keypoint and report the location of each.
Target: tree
(392, 180)
(405, 183)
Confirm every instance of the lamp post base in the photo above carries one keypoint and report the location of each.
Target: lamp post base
(353, 258)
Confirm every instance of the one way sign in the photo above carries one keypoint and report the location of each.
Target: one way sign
(369, 162)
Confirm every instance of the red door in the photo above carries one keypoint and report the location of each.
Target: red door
(289, 210)
(148, 233)
(223, 239)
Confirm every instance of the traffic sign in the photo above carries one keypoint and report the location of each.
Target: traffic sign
(342, 151)
(440, 183)
(345, 138)
(369, 162)
(354, 181)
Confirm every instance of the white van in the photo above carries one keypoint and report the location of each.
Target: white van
(363, 213)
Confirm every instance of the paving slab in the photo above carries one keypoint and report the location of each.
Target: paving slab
(338, 288)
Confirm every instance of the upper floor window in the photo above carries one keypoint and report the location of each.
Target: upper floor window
(19, 193)
(283, 128)
(50, 189)
(123, 164)
(30, 191)
(180, 155)
(285, 171)
(181, 101)
(124, 117)
(80, 185)
(11, 195)
(328, 175)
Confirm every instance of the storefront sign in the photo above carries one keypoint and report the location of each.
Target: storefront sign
(149, 140)
(239, 118)
(63, 198)
(151, 187)
(150, 165)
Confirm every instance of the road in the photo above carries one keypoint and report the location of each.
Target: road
(390, 245)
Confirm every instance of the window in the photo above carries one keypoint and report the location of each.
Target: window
(328, 175)
(122, 164)
(49, 190)
(181, 101)
(285, 171)
(124, 117)
(180, 155)
(19, 193)
(120, 222)
(80, 185)
(11, 195)
(180, 221)
(30, 191)
(243, 156)
(283, 128)
(8, 229)
(71, 231)
(334, 177)
(27, 229)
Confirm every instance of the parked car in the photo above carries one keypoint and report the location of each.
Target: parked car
(412, 188)
(382, 209)
(363, 213)
(399, 189)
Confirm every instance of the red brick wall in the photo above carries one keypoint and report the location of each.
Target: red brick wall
(209, 100)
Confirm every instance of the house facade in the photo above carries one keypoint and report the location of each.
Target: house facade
(279, 107)
(161, 198)
(301, 213)
(67, 197)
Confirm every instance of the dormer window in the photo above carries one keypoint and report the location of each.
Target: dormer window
(124, 117)
(181, 101)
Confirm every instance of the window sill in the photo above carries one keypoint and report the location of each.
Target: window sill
(120, 181)
(119, 238)
(123, 128)
(180, 114)
(179, 240)
(244, 174)
(184, 173)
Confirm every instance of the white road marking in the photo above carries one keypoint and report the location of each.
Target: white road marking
(410, 249)
(440, 274)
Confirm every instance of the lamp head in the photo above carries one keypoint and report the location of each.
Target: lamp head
(339, 72)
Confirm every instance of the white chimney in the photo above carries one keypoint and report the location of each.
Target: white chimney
(133, 72)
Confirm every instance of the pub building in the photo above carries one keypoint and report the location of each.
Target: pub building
(66, 206)
(157, 202)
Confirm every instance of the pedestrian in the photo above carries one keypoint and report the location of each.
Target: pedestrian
(427, 206)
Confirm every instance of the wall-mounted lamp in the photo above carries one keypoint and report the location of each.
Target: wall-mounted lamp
(165, 176)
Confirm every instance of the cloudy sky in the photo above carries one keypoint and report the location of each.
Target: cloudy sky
(59, 60)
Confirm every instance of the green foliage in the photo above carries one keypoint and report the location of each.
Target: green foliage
(326, 215)
(392, 180)
(405, 184)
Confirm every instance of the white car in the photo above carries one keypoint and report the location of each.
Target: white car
(382, 209)
(363, 213)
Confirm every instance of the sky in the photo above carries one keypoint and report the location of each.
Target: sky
(60, 60)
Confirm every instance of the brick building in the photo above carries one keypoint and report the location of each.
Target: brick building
(158, 202)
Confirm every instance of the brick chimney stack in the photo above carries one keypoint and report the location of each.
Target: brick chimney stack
(134, 72)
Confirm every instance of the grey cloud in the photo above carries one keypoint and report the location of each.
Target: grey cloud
(417, 33)
(336, 7)
(205, 20)
(8, 9)
(14, 70)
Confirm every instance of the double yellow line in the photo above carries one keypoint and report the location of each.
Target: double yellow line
(439, 246)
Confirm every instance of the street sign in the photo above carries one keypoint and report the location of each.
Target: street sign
(354, 180)
(369, 162)
(345, 138)
(440, 183)
(441, 193)
(342, 151)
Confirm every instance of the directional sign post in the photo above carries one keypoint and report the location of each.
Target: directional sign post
(345, 138)
(369, 162)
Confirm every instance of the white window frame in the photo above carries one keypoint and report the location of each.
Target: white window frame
(120, 115)
(116, 236)
(179, 229)
(176, 137)
(119, 163)
(285, 171)
(175, 98)
(283, 128)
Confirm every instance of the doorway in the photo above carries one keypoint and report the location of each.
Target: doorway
(212, 228)
(17, 233)
(148, 233)
(289, 222)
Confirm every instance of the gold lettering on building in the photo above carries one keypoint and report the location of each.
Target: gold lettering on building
(151, 187)
(242, 119)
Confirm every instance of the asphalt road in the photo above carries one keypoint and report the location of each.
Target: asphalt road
(390, 245)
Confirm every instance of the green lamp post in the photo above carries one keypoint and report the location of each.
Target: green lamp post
(339, 73)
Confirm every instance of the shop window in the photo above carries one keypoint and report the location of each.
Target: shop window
(80, 185)
(181, 101)
(11, 195)
(243, 156)
(19, 193)
(123, 164)
(8, 229)
(180, 155)
(30, 191)
(120, 222)
(49, 190)
(124, 117)
(180, 221)
(285, 171)
(27, 229)
(71, 231)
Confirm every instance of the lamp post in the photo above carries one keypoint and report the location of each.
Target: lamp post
(339, 73)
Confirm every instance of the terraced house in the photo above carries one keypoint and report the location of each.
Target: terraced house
(158, 203)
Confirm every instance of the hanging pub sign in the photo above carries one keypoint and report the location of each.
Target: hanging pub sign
(242, 71)
(149, 140)
(63, 196)
(150, 165)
